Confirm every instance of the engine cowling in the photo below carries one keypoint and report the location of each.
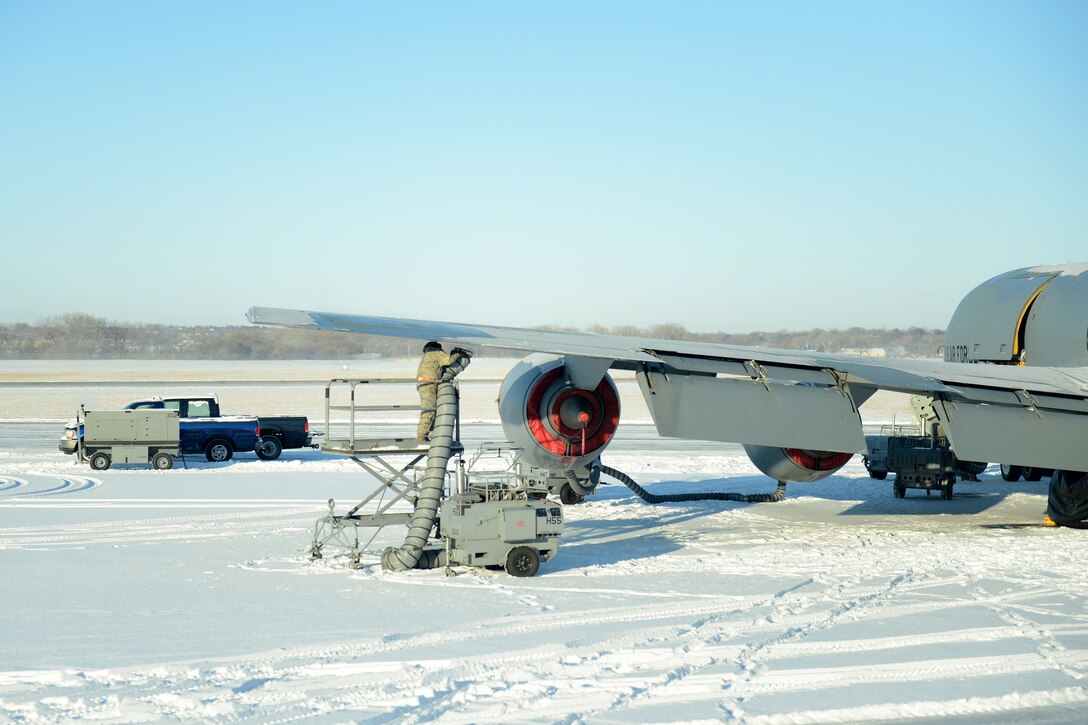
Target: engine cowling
(557, 424)
(796, 465)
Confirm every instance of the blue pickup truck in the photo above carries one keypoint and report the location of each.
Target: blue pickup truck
(204, 430)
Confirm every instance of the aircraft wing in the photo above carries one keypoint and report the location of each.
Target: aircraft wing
(1032, 416)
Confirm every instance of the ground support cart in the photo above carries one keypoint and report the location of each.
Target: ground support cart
(510, 531)
(921, 462)
(130, 436)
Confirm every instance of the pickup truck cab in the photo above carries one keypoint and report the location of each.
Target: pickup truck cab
(205, 430)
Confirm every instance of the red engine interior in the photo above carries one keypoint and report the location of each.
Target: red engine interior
(557, 423)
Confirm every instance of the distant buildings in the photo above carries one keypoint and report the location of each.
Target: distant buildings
(865, 351)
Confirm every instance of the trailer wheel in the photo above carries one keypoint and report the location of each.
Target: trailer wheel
(1033, 474)
(219, 451)
(1011, 473)
(268, 448)
(99, 461)
(568, 495)
(878, 475)
(162, 461)
(522, 561)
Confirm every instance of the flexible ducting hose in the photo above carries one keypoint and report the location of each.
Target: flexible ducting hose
(410, 554)
(681, 497)
(576, 485)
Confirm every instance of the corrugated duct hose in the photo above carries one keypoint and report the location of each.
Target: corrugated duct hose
(598, 468)
(410, 554)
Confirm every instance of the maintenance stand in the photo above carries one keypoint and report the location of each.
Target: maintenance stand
(498, 518)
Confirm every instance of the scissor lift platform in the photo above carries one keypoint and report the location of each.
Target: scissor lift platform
(383, 458)
(373, 446)
(347, 439)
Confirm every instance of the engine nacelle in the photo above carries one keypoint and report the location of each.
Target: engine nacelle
(796, 465)
(555, 423)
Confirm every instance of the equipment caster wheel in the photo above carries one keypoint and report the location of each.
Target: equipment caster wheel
(568, 496)
(522, 561)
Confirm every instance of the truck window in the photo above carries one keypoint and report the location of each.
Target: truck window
(199, 409)
(171, 405)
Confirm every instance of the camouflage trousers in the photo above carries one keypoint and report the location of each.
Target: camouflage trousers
(428, 398)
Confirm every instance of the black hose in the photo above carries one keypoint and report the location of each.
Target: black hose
(682, 497)
(576, 485)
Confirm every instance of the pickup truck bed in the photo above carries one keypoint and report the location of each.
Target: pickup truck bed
(282, 431)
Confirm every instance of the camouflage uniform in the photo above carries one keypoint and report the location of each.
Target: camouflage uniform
(430, 369)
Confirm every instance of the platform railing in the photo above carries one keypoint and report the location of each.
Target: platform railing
(350, 439)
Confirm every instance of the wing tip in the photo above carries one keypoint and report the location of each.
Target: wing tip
(281, 317)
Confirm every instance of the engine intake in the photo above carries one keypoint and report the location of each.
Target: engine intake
(555, 423)
(796, 465)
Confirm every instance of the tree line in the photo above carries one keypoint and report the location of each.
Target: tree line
(82, 336)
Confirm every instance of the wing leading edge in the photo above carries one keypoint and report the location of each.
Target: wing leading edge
(1021, 415)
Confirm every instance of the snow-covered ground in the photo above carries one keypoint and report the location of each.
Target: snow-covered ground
(133, 595)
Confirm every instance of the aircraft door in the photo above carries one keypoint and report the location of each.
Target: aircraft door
(1056, 327)
(988, 324)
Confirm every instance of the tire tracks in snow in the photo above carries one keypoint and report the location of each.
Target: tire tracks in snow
(607, 671)
(8, 484)
(157, 530)
(652, 660)
(747, 661)
(12, 487)
(1050, 651)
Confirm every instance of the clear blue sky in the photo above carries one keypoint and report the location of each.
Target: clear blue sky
(728, 166)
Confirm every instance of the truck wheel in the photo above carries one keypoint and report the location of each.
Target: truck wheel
(162, 461)
(1033, 474)
(99, 461)
(522, 561)
(878, 475)
(568, 495)
(219, 451)
(1011, 473)
(268, 448)
(970, 468)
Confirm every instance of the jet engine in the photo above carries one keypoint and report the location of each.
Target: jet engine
(557, 424)
(796, 465)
